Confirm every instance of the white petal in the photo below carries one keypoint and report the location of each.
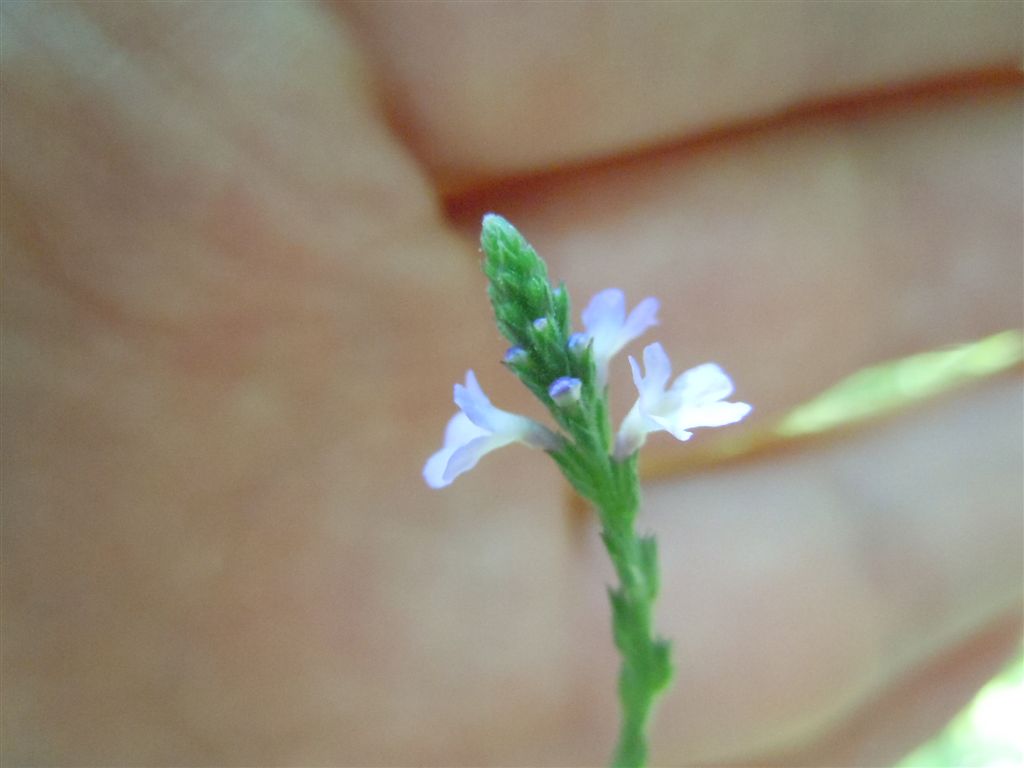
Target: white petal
(702, 385)
(475, 404)
(710, 415)
(638, 376)
(473, 386)
(528, 431)
(478, 411)
(634, 429)
(643, 316)
(433, 470)
(678, 431)
(605, 313)
(466, 456)
(696, 398)
(657, 369)
(459, 432)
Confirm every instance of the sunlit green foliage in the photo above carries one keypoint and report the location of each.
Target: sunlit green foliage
(889, 386)
(987, 734)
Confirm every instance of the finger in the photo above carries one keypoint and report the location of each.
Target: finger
(495, 88)
(167, 166)
(796, 257)
(220, 320)
(224, 549)
(232, 319)
(800, 590)
(913, 708)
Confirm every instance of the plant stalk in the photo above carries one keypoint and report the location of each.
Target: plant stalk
(646, 666)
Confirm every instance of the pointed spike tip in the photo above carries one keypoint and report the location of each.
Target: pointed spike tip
(496, 226)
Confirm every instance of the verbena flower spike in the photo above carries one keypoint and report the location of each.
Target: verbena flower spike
(568, 372)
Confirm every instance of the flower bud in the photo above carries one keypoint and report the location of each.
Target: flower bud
(578, 343)
(565, 391)
(515, 355)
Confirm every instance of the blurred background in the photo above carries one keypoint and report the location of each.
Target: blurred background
(988, 732)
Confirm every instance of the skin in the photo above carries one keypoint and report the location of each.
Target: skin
(240, 277)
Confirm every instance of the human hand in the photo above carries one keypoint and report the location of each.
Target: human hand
(233, 313)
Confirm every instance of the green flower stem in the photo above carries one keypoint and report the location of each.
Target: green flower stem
(646, 665)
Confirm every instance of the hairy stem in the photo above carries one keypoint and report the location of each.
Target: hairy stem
(646, 666)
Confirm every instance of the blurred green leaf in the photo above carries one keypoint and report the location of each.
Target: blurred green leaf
(989, 733)
(889, 386)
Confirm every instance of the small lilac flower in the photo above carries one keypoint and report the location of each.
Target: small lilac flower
(565, 391)
(695, 399)
(607, 324)
(476, 430)
(540, 323)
